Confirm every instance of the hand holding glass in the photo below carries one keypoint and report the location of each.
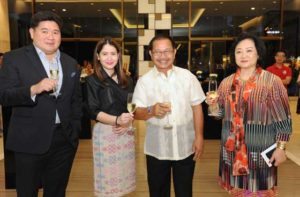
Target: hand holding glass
(54, 74)
(213, 108)
(130, 107)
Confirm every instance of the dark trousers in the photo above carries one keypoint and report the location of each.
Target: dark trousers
(50, 170)
(159, 176)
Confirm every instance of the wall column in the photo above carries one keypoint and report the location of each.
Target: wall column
(4, 29)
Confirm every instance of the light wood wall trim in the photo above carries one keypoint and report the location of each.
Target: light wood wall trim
(4, 29)
(266, 38)
(95, 39)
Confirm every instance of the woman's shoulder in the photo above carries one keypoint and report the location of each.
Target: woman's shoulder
(228, 79)
(270, 77)
(94, 80)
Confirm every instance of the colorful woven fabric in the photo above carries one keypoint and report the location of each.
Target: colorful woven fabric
(236, 192)
(236, 141)
(114, 162)
(266, 119)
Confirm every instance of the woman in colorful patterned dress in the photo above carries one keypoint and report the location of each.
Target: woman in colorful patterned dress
(256, 114)
(113, 140)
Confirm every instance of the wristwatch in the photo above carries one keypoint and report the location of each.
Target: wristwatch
(149, 109)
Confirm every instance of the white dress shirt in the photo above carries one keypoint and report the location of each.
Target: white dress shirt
(184, 91)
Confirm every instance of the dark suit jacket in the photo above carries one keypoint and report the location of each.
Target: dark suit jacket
(32, 122)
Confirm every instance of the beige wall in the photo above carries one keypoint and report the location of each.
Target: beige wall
(4, 27)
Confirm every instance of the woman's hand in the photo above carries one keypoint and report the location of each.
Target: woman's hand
(278, 156)
(120, 130)
(211, 98)
(125, 119)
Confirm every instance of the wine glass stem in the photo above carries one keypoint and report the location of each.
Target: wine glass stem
(132, 128)
(54, 90)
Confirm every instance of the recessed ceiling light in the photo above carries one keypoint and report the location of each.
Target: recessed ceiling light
(221, 2)
(91, 3)
(53, 9)
(216, 9)
(178, 3)
(253, 8)
(274, 2)
(64, 10)
(41, 3)
(98, 10)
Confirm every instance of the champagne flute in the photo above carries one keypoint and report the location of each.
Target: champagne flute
(131, 107)
(213, 109)
(167, 103)
(54, 74)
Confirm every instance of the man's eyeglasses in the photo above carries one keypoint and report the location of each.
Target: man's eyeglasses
(160, 53)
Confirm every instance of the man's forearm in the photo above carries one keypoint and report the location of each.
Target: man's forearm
(198, 120)
(287, 80)
(143, 113)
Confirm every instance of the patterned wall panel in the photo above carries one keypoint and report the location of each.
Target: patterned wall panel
(146, 6)
(145, 36)
(141, 53)
(162, 21)
(144, 67)
(157, 19)
(160, 6)
(151, 21)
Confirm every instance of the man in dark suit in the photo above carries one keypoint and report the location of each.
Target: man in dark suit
(45, 121)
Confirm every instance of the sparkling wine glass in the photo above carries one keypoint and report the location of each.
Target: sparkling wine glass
(131, 107)
(54, 74)
(213, 109)
(167, 103)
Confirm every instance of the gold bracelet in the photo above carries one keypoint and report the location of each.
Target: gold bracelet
(281, 145)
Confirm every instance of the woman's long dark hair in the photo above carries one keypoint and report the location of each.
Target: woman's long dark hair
(98, 67)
